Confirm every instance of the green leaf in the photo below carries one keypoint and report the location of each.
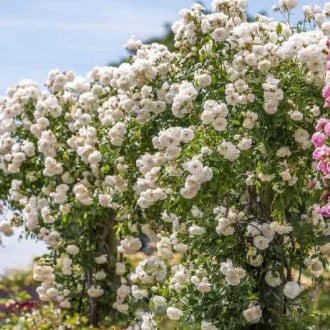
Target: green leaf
(279, 28)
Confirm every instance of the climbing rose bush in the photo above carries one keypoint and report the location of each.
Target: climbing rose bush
(320, 142)
(205, 151)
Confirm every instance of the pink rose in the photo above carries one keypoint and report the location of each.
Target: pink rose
(327, 102)
(323, 167)
(320, 124)
(327, 128)
(326, 91)
(318, 139)
(319, 152)
(325, 210)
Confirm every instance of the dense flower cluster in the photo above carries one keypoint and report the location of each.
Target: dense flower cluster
(204, 152)
(320, 141)
(322, 155)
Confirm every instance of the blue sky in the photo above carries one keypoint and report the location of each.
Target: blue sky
(39, 35)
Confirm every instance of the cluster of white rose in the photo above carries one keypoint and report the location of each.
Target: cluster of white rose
(198, 175)
(226, 220)
(153, 146)
(48, 290)
(233, 275)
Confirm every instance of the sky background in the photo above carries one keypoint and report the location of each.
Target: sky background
(39, 35)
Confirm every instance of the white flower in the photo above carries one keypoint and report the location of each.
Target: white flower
(102, 259)
(208, 326)
(65, 304)
(228, 150)
(255, 261)
(219, 124)
(174, 313)
(196, 212)
(288, 4)
(326, 28)
(291, 289)
(194, 166)
(186, 135)
(95, 291)
(204, 80)
(296, 115)
(273, 278)
(195, 230)
(6, 228)
(121, 308)
(72, 249)
(233, 275)
(280, 228)
(100, 275)
(43, 274)
(120, 268)
(245, 143)
(283, 152)
(123, 291)
(129, 245)
(261, 242)
(95, 157)
(189, 192)
(301, 135)
(224, 227)
(148, 322)
(159, 301)
(285, 175)
(315, 266)
(253, 314)
(325, 249)
(138, 293)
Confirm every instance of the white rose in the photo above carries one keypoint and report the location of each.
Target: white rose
(174, 313)
(253, 314)
(291, 289)
(102, 259)
(196, 212)
(6, 228)
(196, 230)
(204, 80)
(261, 242)
(283, 152)
(288, 4)
(120, 268)
(325, 27)
(296, 115)
(273, 279)
(72, 249)
(325, 249)
(159, 301)
(129, 245)
(245, 144)
(256, 261)
(301, 135)
(100, 275)
(95, 291)
(208, 326)
(65, 304)
(285, 175)
(52, 292)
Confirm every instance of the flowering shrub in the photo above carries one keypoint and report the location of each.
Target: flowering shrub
(321, 155)
(205, 150)
(320, 141)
